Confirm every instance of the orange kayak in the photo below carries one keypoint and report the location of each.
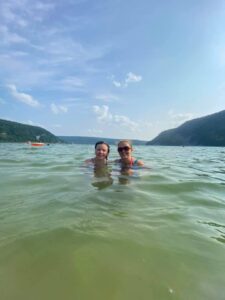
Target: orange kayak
(36, 144)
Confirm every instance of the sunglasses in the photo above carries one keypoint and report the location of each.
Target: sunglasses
(125, 148)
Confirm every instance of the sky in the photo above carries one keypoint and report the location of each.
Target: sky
(111, 68)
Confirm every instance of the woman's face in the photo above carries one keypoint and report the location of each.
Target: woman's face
(124, 150)
(101, 151)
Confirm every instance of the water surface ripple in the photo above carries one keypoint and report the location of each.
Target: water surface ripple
(70, 233)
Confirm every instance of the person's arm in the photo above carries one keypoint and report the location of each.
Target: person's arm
(140, 163)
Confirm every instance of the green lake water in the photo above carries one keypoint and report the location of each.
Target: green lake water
(69, 233)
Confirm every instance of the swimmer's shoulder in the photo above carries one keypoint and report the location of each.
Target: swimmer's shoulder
(139, 163)
(89, 161)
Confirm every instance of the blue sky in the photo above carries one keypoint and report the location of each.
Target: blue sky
(112, 68)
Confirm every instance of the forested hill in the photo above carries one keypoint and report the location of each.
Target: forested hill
(17, 132)
(93, 140)
(205, 131)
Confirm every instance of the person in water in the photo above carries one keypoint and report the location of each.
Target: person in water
(102, 174)
(126, 160)
(102, 150)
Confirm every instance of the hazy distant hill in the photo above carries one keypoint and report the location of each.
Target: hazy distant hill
(93, 140)
(17, 132)
(205, 131)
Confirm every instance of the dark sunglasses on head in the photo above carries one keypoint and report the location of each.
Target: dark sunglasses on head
(126, 148)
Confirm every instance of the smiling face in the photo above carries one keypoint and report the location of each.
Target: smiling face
(125, 150)
(101, 151)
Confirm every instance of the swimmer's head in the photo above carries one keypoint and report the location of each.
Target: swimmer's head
(102, 146)
(124, 147)
(125, 142)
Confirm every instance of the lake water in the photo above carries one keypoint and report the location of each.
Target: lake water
(69, 233)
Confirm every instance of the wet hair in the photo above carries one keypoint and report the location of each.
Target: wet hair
(103, 143)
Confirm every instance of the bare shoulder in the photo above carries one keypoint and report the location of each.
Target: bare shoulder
(89, 161)
(140, 163)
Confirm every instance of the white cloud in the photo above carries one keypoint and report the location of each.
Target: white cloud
(106, 97)
(22, 12)
(56, 47)
(22, 97)
(179, 118)
(29, 122)
(94, 132)
(126, 122)
(9, 37)
(103, 115)
(8, 15)
(130, 78)
(123, 126)
(61, 50)
(117, 83)
(71, 83)
(19, 53)
(44, 7)
(56, 109)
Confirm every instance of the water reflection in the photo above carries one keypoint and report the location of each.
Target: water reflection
(102, 177)
(219, 228)
(125, 174)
